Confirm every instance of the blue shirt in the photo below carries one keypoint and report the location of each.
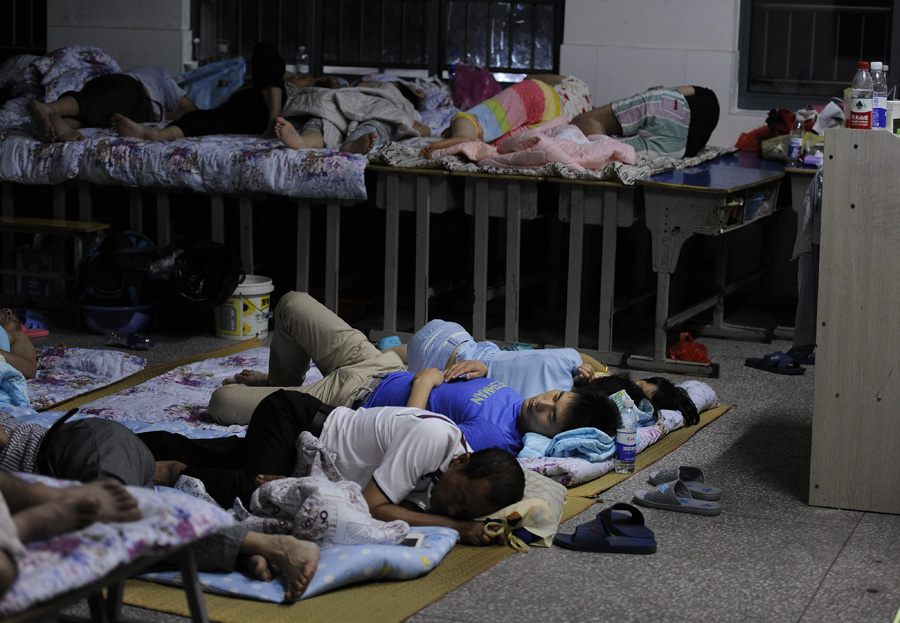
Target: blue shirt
(485, 410)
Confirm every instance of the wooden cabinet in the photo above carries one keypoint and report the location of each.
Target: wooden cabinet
(855, 460)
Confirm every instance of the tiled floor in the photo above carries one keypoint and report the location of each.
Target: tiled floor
(768, 557)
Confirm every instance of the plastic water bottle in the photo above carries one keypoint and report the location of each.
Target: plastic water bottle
(134, 341)
(861, 93)
(626, 439)
(302, 60)
(879, 97)
(796, 146)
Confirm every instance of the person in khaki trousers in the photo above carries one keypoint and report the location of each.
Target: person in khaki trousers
(306, 330)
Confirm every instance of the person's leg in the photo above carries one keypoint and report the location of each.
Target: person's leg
(54, 121)
(365, 136)
(256, 552)
(11, 548)
(97, 449)
(113, 501)
(599, 121)
(310, 135)
(127, 127)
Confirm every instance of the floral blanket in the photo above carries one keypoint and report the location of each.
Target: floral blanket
(64, 373)
(51, 568)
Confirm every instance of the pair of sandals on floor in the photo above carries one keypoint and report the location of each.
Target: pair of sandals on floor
(620, 528)
(790, 362)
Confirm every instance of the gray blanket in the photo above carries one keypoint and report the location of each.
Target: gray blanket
(341, 110)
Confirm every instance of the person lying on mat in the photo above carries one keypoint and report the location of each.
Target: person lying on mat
(16, 348)
(356, 374)
(32, 511)
(449, 347)
(411, 464)
(661, 392)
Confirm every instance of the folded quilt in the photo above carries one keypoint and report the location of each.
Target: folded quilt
(590, 444)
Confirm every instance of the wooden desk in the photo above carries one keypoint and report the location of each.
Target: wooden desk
(513, 198)
(425, 192)
(711, 199)
(612, 205)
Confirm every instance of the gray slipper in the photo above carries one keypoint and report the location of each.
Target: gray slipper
(675, 496)
(692, 477)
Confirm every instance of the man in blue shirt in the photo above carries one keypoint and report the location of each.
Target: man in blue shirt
(356, 374)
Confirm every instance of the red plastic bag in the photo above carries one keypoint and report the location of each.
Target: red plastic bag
(688, 350)
(472, 85)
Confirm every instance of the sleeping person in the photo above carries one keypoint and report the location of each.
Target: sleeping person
(249, 110)
(356, 374)
(351, 119)
(142, 93)
(674, 122)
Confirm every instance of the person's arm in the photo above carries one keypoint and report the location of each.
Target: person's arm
(472, 369)
(381, 507)
(185, 104)
(423, 382)
(21, 355)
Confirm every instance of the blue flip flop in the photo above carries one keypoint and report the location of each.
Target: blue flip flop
(779, 363)
(593, 537)
(622, 519)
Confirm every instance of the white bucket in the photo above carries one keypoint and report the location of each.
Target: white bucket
(246, 312)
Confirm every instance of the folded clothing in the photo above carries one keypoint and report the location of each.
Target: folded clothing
(584, 443)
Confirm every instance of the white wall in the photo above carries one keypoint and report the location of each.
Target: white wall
(134, 32)
(620, 47)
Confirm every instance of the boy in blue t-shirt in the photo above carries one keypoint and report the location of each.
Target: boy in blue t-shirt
(490, 413)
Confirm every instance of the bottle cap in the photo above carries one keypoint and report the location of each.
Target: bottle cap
(628, 402)
(875, 65)
(862, 65)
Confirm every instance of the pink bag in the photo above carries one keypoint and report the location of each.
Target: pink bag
(472, 85)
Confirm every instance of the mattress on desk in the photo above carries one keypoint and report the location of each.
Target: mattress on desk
(219, 164)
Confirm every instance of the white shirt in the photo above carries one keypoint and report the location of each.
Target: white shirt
(402, 448)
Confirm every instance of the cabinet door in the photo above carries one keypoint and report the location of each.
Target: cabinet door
(856, 413)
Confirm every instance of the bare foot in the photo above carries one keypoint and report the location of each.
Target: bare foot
(447, 142)
(126, 127)
(248, 377)
(167, 473)
(58, 516)
(264, 478)
(63, 131)
(360, 145)
(288, 134)
(40, 114)
(297, 560)
(116, 504)
(256, 567)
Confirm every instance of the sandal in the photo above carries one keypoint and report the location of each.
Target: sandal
(779, 363)
(674, 496)
(692, 477)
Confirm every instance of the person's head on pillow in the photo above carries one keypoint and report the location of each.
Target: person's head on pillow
(477, 484)
(557, 411)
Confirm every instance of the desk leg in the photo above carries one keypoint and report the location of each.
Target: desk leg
(479, 279)
(513, 260)
(576, 266)
(304, 222)
(85, 208)
(423, 239)
(607, 273)
(136, 210)
(59, 212)
(391, 252)
(163, 219)
(187, 564)
(217, 218)
(8, 259)
(246, 222)
(332, 254)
